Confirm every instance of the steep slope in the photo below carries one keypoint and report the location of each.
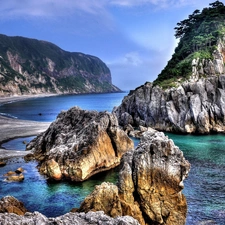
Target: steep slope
(29, 66)
(189, 95)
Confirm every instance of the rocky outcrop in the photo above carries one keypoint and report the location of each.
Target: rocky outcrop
(193, 107)
(10, 204)
(94, 218)
(29, 66)
(150, 184)
(79, 144)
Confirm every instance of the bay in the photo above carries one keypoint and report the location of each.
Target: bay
(204, 188)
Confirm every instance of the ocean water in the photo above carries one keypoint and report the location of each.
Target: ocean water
(204, 188)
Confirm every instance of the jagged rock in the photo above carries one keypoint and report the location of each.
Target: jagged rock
(94, 218)
(193, 107)
(10, 204)
(150, 184)
(79, 144)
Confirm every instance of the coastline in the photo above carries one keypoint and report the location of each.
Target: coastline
(15, 128)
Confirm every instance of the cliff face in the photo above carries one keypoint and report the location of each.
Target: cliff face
(79, 144)
(194, 106)
(150, 183)
(29, 66)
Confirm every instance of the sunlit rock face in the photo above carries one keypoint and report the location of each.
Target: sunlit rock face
(150, 184)
(79, 144)
(9, 204)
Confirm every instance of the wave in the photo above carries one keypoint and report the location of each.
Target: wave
(8, 115)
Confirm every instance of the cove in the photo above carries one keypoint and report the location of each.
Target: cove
(204, 188)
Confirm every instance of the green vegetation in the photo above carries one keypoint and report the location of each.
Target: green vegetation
(70, 70)
(198, 38)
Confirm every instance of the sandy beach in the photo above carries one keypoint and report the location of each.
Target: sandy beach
(11, 128)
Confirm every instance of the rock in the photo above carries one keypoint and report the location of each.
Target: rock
(16, 178)
(150, 184)
(19, 170)
(79, 144)
(10, 204)
(193, 107)
(2, 163)
(94, 218)
(196, 105)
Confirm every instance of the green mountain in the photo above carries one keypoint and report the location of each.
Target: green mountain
(30, 66)
(199, 36)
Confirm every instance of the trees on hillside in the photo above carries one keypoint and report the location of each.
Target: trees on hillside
(198, 33)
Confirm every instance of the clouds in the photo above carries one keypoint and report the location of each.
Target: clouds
(134, 37)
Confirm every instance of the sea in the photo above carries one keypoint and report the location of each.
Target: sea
(204, 188)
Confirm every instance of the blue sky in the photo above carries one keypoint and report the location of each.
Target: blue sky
(135, 38)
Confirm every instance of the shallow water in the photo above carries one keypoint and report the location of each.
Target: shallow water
(204, 188)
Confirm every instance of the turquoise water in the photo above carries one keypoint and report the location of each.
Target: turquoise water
(204, 188)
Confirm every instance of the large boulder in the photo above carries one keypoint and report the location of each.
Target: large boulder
(79, 144)
(150, 184)
(10, 204)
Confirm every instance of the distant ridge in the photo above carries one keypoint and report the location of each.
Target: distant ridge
(30, 66)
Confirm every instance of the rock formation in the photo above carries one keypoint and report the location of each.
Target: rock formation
(193, 107)
(10, 204)
(30, 66)
(94, 218)
(150, 184)
(79, 144)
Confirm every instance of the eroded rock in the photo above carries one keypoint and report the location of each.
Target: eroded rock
(10, 204)
(150, 184)
(79, 144)
(94, 218)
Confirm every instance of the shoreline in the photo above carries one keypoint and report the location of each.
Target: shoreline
(9, 99)
(12, 128)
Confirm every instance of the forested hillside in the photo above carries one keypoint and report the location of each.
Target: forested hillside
(199, 35)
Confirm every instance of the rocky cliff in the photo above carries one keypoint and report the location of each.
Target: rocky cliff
(188, 95)
(29, 66)
(150, 183)
(79, 144)
(192, 106)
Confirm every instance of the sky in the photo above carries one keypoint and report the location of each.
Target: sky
(135, 38)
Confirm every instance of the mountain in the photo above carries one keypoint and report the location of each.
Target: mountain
(30, 66)
(189, 94)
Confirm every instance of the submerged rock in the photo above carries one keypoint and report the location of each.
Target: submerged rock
(94, 218)
(79, 144)
(10, 204)
(150, 184)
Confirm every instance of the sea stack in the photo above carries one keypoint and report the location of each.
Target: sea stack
(150, 184)
(79, 144)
